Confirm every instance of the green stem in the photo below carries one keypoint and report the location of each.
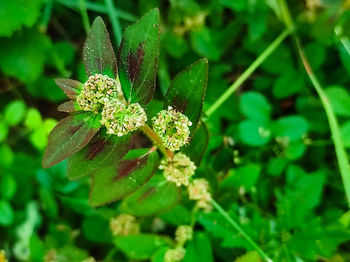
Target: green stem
(113, 15)
(46, 16)
(240, 230)
(340, 151)
(96, 7)
(84, 16)
(268, 51)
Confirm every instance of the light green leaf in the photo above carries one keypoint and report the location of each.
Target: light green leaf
(255, 106)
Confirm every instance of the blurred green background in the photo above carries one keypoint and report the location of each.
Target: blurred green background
(270, 161)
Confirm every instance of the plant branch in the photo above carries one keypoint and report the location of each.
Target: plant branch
(246, 74)
(113, 15)
(340, 151)
(156, 140)
(240, 230)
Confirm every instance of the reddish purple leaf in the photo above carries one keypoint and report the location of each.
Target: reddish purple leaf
(68, 137)
(69, 86)
(68, 107)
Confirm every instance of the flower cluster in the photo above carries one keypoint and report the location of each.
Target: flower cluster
(176, 254)
(124, 225)
(199, 190)
(183, 233)
(178, 169)
(120, 118)
(98, 90)
(172, 127)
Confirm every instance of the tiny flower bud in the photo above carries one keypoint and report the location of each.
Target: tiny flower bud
(124, 225)
(178, 169)
(121, 119)
(173, 255)
(172, 127)
(183, 233)
(97, 90)
(198, 190)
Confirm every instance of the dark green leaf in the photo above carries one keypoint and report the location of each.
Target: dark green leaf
(150, 200)
(118, 180)
(96, 229)
(6, 213)
(198, 145)
(68, 137)
(138, 57)
(187, 90)
(98, 53)
(141, 246)
(102, 151)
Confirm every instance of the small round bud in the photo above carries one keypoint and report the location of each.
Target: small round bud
(121, 119)
(199, 190)
(178, 169)
(173, 255)
(124, 225)
(97, 90)
(183, 234)
(172, 127)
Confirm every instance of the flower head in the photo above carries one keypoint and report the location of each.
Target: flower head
(183, 233)
(121, 119)
(98, 90)
(178, 169)
(172, 127)
(199, 190)
(176, 254)
(124, 225)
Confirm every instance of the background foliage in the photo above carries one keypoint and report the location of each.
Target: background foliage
(270, 162)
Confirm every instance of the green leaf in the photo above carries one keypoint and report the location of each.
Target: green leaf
(138, 57)
(15, 112)
(33, 119)
(199, 249)
(150, 200)
(118, 180)
(141, 246)
(17, 13)
(255, 106)
(8, 187)
(96, 229)
(289, 83)
(69, 86)
(254, 134)
(6, 213)
(245, 176)
(4, 129)
(339, 99)
(345, 131)
(101, 151)
(187, 90)
(68, 137)
(98, 53)
(198, 145)
(23, 56)
(251, 256)
(293, 127)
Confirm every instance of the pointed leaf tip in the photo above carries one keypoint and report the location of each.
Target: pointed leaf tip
(98, 53)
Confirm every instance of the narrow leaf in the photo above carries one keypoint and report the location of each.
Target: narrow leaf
(102, 151)
(69, 86)
(150, 200)
(138, 57)
(118, 180)
(68, 107)
(98, 53)
(187, 90)
(69, 136)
